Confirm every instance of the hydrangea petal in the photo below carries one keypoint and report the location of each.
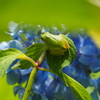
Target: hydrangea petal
(25, 71)
(99, 62)
(72, 97)
(12, 26)
(86, 60)
(15, 44)
(95, 95)
(94, 67)
(61, 91)
(21, 93)
(13, 77)
(87, 50)
(16, 88)
(98, 81)
(4, 45)
(85, 81)
(88, 41)
(98, 49)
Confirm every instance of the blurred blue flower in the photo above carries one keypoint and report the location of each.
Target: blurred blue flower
(4, 45)
(47, 86)
(11, 44)
(90, 57)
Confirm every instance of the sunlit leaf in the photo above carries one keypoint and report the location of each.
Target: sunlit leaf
(95, 75)
(34, 52)
(80, 92)
(6, 58)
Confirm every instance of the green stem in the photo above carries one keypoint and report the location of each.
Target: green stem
(33, 73)
(48, 70)
(30, 83)
(41, 58)
(27, 58)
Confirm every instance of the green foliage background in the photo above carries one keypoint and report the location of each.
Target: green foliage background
(6, 91)
(75, 13)
(4, 37)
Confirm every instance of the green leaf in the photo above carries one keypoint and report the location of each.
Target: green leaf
(56, 63)
(7, 57)
(95, 75)
(79, 91)
(34, 52)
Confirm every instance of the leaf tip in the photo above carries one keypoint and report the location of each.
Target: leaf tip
(15, 67)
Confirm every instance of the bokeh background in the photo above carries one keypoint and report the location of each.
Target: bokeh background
(74, 14)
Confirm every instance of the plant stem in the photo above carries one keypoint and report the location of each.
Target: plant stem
(33, 73)
(48, 70)
(30, 83)
(41, 58)
(28, 58)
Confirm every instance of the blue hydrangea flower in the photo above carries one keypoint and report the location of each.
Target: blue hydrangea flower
(86, 62)
(90, 57)
(47, 86)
